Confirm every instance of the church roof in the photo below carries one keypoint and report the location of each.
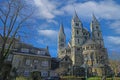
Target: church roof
(89, 42)
(85, 30)
(66, 57)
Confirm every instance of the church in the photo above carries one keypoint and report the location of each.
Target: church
(85, 48)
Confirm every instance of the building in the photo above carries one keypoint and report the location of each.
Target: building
(26, 59)
(84, 48)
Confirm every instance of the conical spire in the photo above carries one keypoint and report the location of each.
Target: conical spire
(94, 18)
(61, 29)
(75, 17)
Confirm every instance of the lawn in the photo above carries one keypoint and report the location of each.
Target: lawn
(91, 78)
(21, 78)
(99, 78)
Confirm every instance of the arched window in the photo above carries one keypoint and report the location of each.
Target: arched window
(77, 32)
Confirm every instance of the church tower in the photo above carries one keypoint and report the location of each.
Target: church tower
(96, 31)
(61, 41)
(76, 40)
(77, 34)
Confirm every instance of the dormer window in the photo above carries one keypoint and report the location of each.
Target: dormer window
(24, 50)
(41, 52)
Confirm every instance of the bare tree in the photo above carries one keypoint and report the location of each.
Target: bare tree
(61, 71)
(115, 62)
(13, 16)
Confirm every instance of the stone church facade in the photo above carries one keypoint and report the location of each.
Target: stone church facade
(84, 47)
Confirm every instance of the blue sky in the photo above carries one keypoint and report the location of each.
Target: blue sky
(49, 14)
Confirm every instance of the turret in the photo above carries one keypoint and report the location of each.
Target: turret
(96, 31)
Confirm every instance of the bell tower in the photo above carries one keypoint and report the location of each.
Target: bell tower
(96, 31)
(77, 34)
(76, 40)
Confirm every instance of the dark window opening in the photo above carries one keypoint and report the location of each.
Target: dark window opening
(77, 32)
(62, 45)
(78, 49)
(96, 27)
(92, 56)
(87, 47)
(66, 59)
(85, 38)
(35, 67)
(62, 40)
(77, 24)
(98, 34)
(83, 48)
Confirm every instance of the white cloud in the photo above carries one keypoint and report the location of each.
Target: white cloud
(112, 43)
(52, 21)
(48, 33)
(47, 37)
(115, 26)
(50, 9)
(103, 9)
(115, 40)
(43, 26)
(46, 9)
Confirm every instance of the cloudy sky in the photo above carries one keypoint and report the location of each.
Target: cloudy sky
(51, 13)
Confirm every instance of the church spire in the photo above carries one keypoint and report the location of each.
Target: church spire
(75, 17)
(61, 40)
(61, 30)
(94, 18)
(96, 31)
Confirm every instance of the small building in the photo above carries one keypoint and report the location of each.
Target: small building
(27, 59)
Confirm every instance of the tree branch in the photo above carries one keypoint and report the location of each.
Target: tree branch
(6, 19)
(12, 39)
(1, 20)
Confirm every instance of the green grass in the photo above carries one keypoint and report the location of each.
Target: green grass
(21, 78)
(99, 78)
(94, 78)
(91, 78)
